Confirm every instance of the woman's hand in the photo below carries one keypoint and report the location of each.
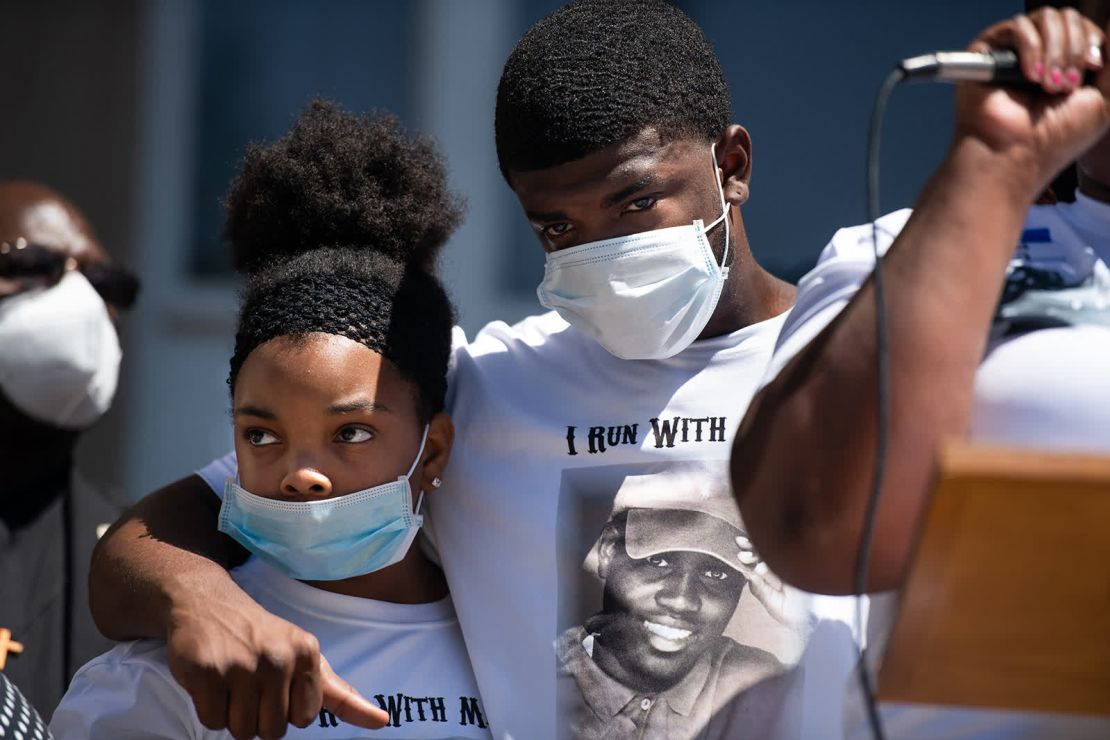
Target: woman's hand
(1040, 130)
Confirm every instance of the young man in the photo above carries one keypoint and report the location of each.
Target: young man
(632, 175)
(673, 565)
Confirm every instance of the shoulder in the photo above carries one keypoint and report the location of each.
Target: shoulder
(854, 243)
(216, 473)
(498, 336)
(500, 355)
(844, 265)
(126, 692)
(739, 659)
(571, 651)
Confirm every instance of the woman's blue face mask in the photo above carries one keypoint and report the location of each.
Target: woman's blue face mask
(330, 539)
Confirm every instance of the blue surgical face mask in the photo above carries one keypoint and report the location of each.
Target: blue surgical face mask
(331, 539)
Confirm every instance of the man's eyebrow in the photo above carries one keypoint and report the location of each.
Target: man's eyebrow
(258, 411)
(545, 215)
(613, 199)
(359, 404)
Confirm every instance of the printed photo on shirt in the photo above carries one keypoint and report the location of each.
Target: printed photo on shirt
(667, 615)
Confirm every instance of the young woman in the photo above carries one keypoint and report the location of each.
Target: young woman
(337, 384)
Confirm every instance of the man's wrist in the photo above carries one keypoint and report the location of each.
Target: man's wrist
(195, 590)
(1012, 176)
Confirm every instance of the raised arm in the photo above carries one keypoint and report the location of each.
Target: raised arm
(161, 571)
(804, 455)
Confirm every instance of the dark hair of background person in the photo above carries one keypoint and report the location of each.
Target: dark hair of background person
(596, 72)
(339, 224)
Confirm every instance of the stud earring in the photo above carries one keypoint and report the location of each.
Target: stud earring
(436, 482)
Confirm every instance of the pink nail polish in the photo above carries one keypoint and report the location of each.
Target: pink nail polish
(1056, 77)
(1073, 75)
(1038, 71)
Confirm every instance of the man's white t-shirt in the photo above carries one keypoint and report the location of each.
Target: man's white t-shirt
(1047, 389)
(409, 658)
(548, 425)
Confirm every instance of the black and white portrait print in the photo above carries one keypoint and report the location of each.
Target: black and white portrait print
(667, 616)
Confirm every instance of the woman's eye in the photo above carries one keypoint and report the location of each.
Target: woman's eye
(259, 437)
(642, 204)
(354, 435)
(657, 560)
(716, 575)
(553, 231)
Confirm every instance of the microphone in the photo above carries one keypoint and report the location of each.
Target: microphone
(998, 66)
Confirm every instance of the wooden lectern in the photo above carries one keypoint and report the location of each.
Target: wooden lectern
(1007, 603)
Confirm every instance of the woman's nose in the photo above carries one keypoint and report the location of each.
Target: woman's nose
(305, 482)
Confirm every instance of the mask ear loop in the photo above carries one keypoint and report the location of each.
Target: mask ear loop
(412, 468)
(419, 453)
(727, 251)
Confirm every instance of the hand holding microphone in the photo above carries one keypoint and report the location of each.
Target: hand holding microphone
(999, 67)
(1037, 115)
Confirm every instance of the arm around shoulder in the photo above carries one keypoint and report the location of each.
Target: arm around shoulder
(125, 693)
(162, 554)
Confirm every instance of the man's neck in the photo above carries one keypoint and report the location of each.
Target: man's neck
(750, 294)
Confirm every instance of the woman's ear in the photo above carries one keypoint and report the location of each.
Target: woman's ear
(437, 451)
(734, 160)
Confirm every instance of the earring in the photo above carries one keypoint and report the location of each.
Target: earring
(436, 482)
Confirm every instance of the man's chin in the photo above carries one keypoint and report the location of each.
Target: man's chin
(649, 662)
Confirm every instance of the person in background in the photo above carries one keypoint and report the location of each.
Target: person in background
(59, 366)
(999, 331)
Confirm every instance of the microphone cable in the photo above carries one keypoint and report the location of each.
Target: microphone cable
(998, 67)
(882, 371)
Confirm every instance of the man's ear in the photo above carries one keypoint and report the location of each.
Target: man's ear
(734, 160)
(437, 451)
(607, 545)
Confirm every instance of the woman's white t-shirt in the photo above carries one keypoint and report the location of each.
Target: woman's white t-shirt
(408, 658)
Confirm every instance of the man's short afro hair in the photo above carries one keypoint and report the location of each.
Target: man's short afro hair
(597, 72)
(336, 180)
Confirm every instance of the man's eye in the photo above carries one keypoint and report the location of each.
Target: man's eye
(657, 560)
(552, 231)
(354, 435)
(259, 437)
(716, 575)
(642, 204)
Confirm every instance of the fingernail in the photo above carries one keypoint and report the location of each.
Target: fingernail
(1073, 76)
(1056, 77)
(1094, 55)
(1038, 71)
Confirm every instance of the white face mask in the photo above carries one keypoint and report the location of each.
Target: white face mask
(59, 353)
(645, 296)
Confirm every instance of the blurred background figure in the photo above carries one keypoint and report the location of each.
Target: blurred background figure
(59, 368)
